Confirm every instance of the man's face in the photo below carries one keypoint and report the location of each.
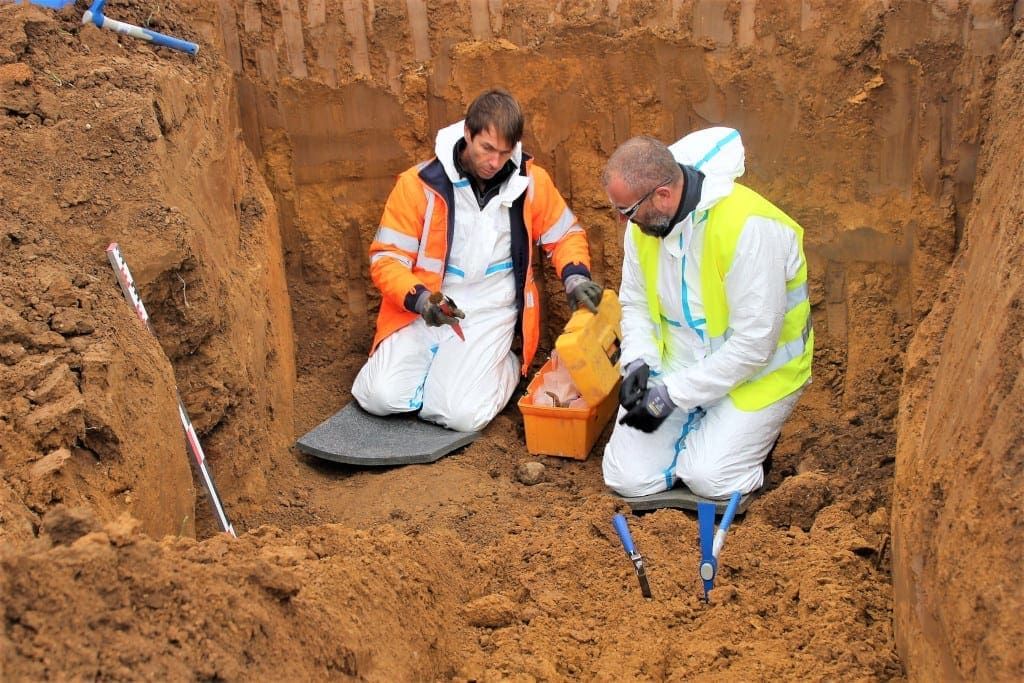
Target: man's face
(643, 209)
(486, 153)
(654, 223)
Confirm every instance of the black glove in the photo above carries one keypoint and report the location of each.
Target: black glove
(582, 291)
(433, 306)
(650, 411)
(634, 384)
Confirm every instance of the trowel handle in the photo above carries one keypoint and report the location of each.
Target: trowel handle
(622, 529)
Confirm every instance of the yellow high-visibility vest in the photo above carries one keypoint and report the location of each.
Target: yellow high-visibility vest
(790, 366)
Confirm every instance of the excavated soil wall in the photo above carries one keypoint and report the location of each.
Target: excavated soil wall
(244, 186)
(959, 487)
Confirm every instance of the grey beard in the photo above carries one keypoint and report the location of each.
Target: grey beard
(659, 229)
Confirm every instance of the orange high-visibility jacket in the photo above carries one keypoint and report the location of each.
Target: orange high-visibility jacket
(410, 250)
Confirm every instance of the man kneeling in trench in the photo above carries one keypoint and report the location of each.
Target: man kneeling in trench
(717, 339)
(466, 222)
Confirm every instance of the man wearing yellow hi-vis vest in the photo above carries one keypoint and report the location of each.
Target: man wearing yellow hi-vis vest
(716, 323)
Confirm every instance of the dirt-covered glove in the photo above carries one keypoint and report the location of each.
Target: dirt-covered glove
(582, 291)
(634, 384)
(433, 306)
(650, 411)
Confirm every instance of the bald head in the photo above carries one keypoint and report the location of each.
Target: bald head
(641, 163)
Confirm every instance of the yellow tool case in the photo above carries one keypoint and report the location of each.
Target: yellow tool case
(589, 349)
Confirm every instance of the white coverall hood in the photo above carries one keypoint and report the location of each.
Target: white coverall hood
(718, 154)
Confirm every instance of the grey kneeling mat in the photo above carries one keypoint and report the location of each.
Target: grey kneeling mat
(354, 437)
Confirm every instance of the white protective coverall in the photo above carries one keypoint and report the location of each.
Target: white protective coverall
(426, 368)
(708, 443)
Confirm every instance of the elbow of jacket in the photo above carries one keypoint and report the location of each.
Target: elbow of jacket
(756, 357)
(755, 351)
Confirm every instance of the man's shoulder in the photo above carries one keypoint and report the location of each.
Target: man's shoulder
(410, 183)
(749, 198)
(430, 171)
(532, 169)
(423, 165)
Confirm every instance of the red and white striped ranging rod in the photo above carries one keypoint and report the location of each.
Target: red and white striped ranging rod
(124, 278)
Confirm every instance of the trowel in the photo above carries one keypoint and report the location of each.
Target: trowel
(638, 562)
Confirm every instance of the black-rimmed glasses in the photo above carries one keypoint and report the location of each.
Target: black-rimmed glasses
(629, 211)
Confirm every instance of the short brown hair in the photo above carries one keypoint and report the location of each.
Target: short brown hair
(496, 108)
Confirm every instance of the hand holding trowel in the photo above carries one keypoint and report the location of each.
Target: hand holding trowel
(438, 309)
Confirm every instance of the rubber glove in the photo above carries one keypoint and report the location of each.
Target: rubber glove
(634, 383)
(582, 291)
(650, 411)
(433, 314)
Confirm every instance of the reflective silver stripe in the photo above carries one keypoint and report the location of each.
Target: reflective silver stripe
(565, 224)
(396, 238)
(422, 260)
(434, 265)
(796, 296)
(785, 353)
(401, 258)
(429, 212)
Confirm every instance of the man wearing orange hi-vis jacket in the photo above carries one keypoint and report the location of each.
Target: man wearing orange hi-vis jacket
(716, 321)
(462, 228)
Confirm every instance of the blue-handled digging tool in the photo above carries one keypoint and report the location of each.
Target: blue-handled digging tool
(711, 542)
(94, 15)
(622, 529)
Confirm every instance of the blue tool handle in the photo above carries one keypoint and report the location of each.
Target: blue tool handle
(168, 41)
(723, 528)
(95, 16)
(623, 530)
(706, 529)
(53, 4)
(730, 511)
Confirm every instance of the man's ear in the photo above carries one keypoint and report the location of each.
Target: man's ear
(466, 134)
